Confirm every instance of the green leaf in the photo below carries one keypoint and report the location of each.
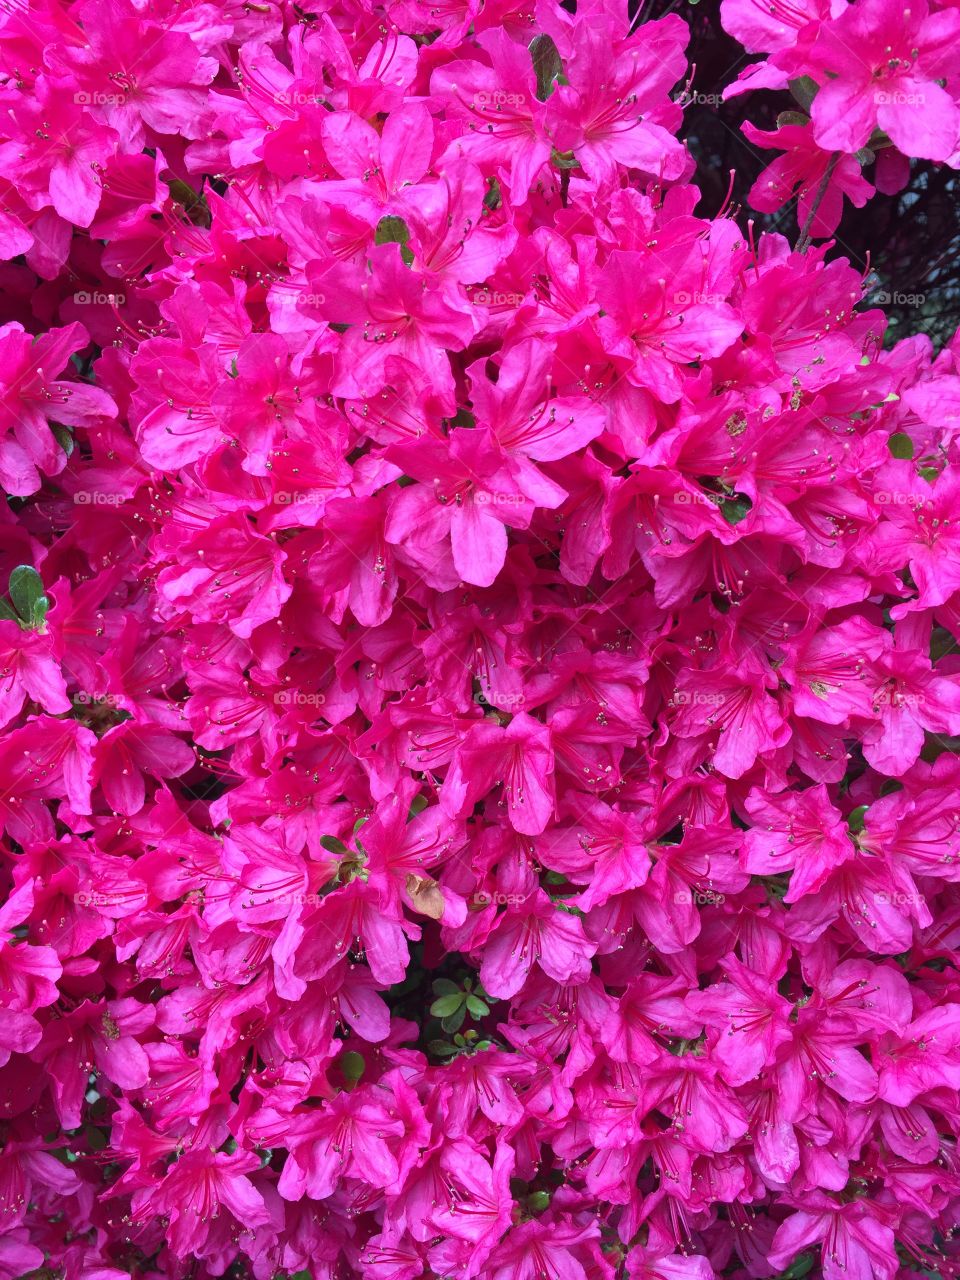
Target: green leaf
(855, 820)
(791, 117)
(454, 1021)
(192, 202)
(476, 1008)
(352, 1065)
(547, 64)
(879, 141)
(462, 418)
(736, 509)
(538, 1201)
(804, 90)
(443, 1048)
(900, 445)
(492, 198)
(564, 159)
(26, 593)
(393, 230)
(448, 1004)
(333, 845)
(64, 437)
(799, 1267)
(444, 987)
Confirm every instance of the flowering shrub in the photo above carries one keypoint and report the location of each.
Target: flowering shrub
(479, 701)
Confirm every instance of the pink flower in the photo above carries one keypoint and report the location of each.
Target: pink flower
(34, 395)
(805, 171)
(205, 1197)
(799, 832)
(535, 932)
(516, 759)
(854, 1239)
(878, 67)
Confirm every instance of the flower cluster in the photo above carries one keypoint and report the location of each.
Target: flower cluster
(876, 84)
(479, 701)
